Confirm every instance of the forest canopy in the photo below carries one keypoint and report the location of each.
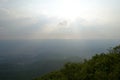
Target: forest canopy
(104, 66)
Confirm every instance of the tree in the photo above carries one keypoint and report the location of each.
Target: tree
(104, 66)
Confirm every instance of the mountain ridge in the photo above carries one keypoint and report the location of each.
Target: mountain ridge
(104, 66)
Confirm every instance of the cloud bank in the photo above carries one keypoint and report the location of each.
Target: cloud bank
(36, 19)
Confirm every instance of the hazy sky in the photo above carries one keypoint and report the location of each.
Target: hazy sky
(59, 19)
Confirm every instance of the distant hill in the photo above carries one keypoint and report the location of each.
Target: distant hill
(104, 66)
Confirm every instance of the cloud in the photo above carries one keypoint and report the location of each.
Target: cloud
(19, 26)
(26, 20)
(3, 1)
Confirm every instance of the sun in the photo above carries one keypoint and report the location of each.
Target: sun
(69, 9)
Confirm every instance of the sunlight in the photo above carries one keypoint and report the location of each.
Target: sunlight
(69, 9)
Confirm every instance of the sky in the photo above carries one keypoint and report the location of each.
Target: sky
(59, 19)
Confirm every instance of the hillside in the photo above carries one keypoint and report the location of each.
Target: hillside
(104, 66)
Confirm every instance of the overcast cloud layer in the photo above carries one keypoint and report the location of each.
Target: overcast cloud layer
(44, 19)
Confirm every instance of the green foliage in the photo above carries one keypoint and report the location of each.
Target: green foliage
(105, 66)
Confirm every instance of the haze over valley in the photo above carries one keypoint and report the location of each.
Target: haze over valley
(39, 36)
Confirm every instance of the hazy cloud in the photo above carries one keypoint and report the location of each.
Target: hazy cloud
(38, 19)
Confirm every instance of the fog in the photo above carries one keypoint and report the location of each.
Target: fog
(26, 59)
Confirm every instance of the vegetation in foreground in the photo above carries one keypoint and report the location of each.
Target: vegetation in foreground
(104, 66)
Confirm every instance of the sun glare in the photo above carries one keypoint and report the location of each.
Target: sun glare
(69, 10)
